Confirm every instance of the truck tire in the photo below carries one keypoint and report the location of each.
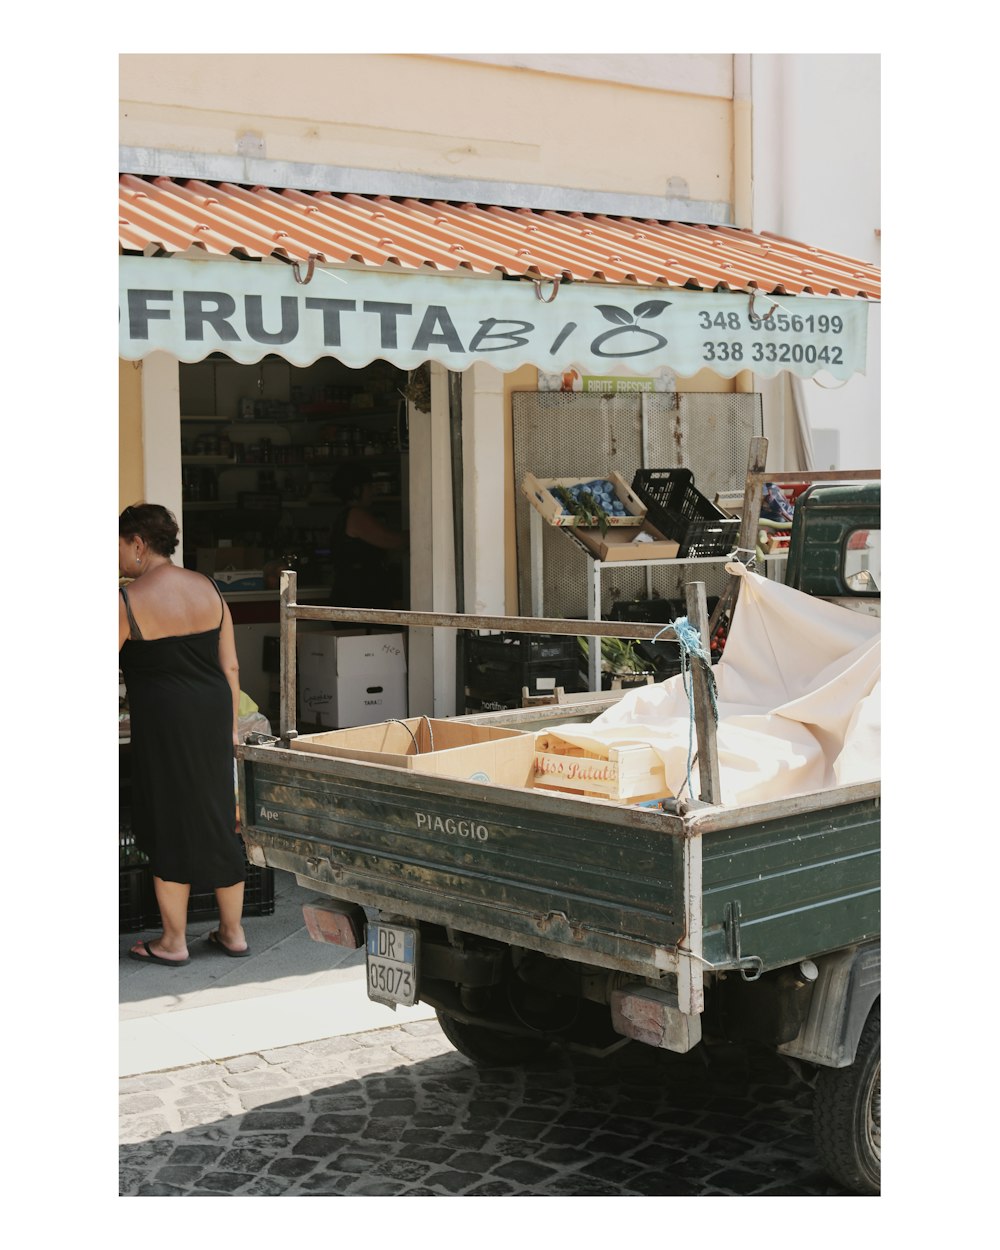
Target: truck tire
(847, 1112)
(489, 1047)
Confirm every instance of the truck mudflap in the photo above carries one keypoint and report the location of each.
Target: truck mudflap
(847, 986)
(654, 1017)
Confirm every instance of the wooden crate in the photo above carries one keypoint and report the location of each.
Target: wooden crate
(629, 773)
(538, 491)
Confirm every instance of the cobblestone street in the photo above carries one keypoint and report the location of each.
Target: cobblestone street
(397, 1111)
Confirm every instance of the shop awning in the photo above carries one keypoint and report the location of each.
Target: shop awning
(254, 271)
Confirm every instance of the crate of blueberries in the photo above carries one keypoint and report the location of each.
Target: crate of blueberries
(601, 502)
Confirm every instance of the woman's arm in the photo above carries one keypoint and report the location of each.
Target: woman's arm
(230, 665)
(365, 525)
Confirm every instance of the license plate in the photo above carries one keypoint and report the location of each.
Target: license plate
(391, 959)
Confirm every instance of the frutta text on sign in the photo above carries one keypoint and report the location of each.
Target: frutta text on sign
(191, 309)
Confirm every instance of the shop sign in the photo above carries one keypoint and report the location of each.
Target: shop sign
(249, 310)
(607, 384)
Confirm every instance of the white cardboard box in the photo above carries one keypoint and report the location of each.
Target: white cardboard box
(352, 651)
(349, 677)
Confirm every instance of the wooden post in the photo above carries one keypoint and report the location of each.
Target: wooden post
(287, 597)
(704, 720)
(753, 493)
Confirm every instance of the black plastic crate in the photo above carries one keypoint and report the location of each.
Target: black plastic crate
(507, 684)
(499, 666)
(137, 909)
(652, 611)
(258, 897)
(135, 899)
(664, 655)
(520, 648)
(681, 512)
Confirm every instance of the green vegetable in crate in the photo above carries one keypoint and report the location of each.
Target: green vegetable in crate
(618, 655)
(583, 507)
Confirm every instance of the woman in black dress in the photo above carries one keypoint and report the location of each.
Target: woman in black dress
(178, 658)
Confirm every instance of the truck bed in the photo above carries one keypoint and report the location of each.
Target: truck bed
(624, 888)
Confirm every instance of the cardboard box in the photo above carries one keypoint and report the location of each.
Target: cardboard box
(629, 773)
(239, 579)
(347, 651)
(623, 544)
(446, 748)
(352, 699)
(351, 677)
(538, 491)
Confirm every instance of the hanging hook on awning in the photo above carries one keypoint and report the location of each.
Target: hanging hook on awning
(756, 316)
(309, 271)
(538, 289)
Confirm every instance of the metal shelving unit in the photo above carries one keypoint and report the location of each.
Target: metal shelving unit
(597, 568)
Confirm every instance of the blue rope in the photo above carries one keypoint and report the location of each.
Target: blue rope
(691, 647)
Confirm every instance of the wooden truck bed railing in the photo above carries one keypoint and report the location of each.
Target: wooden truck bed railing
(290, 612)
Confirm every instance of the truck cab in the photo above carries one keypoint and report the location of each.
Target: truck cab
(835, 550)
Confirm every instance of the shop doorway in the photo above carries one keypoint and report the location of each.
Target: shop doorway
(268, 454)
(266, 451)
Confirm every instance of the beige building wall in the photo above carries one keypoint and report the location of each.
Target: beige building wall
(448, 117)
(130, 470)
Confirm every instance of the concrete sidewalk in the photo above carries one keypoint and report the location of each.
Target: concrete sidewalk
(288, 991)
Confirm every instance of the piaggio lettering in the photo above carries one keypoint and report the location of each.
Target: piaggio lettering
(452, 825)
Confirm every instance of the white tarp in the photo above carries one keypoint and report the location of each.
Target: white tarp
(798, 689)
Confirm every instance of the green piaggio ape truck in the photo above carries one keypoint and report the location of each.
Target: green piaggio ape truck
(529, 917)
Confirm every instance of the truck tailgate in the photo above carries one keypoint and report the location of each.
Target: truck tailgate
(578, 879)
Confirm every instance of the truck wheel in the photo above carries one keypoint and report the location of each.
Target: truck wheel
(847, 1114)
(489, 1047)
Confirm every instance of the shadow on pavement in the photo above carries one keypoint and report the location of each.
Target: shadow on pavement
(398, 1112)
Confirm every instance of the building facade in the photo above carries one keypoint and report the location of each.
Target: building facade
(787, 144)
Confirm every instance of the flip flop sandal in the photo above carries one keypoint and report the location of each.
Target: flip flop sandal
(150, 958)
(217, 942)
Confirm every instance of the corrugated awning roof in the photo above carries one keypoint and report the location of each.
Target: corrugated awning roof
(409, 234)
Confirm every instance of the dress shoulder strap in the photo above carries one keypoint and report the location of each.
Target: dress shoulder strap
(135, 632)
(222, 602)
